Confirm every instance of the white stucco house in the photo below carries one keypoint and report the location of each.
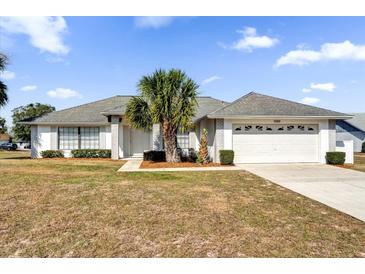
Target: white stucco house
(259, 128)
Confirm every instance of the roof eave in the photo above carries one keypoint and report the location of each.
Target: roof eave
(108, 113)
(339, 117)
(64, 123)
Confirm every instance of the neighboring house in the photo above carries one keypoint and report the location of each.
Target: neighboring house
(4, 138)
(353, 129)
(22, 144)
(259, 128)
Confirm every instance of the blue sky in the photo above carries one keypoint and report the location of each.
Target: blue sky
(67, 61)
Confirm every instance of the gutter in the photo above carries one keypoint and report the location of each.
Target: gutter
(277, 117)
(64, 123)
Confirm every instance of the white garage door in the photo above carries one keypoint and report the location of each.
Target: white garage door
(263, 143)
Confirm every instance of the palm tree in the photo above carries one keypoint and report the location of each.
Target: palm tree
(167, 98)
(3, 87)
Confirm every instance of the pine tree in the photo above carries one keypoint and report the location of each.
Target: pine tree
(203, 156)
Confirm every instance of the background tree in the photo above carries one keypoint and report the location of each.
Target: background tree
(167, 98)
(203, 155)
(27, 113)
(3, 127)
(3, 87)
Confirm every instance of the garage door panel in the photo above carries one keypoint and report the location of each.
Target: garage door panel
(274, 147)
(277, 139)
(264, 149)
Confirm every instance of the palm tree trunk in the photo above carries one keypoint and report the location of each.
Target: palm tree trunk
(169, 137)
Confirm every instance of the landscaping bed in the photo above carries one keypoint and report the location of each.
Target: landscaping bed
(152, 164)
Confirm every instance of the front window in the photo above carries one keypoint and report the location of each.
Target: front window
(89, 137)
(78, 137)
(183, 140)
(68, 138)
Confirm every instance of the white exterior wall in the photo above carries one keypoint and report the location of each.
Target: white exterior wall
(347, 147)
(324, 140)
(41, 140)
(156, 137)
(34, 141)
(227, 133)
(108, 138)
(120, 141)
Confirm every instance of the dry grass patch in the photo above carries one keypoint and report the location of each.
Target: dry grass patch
(359, 162)
(87, 209)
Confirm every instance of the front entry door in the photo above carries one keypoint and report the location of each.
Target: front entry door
(140, 141)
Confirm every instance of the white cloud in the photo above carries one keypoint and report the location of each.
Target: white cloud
(211, 79)
(153, 21)
(63, 93)
(45, 33)
(320, 86)
(28, 88)
(309, 100)
(250, 40)
(324, 86)
(328, 52)
(7, 75)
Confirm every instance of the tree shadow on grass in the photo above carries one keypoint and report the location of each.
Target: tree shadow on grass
(16, 158)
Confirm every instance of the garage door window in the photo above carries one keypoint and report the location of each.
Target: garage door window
(274, 129)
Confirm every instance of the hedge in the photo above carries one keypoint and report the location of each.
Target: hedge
(226, 157)
(335, 158)
(91, 153)
(52, 154)
(363, 147)
(154, 155)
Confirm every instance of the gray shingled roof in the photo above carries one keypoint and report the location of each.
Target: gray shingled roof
(255, 104)
(96, 112)
(252, 104)
(358, 121)
(88, 113)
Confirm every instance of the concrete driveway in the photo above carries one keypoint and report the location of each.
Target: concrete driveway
(340, 188)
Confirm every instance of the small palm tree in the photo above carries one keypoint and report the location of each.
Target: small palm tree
(203, 155)
(3, 87)
(169, 99)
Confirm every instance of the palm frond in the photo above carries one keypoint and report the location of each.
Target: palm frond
(138, 113)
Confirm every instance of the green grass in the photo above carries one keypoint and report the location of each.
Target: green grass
(84, 208)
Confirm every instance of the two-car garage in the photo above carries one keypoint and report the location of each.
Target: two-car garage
(275, 143)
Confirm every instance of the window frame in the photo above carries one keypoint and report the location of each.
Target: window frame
(79, 137)
(186, 139)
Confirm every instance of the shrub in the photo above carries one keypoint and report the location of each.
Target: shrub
(192, 155)
(203, 155)
(91, 153)
(52, 154)
(363, 147)
(189, 156)
(154, 155)
(226, 157)
(335, 158)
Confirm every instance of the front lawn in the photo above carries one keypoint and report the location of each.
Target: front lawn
(84, 208)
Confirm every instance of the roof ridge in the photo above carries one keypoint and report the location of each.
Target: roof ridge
(97, 101)
(235, 101)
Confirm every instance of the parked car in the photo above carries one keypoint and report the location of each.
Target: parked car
(8, 146)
